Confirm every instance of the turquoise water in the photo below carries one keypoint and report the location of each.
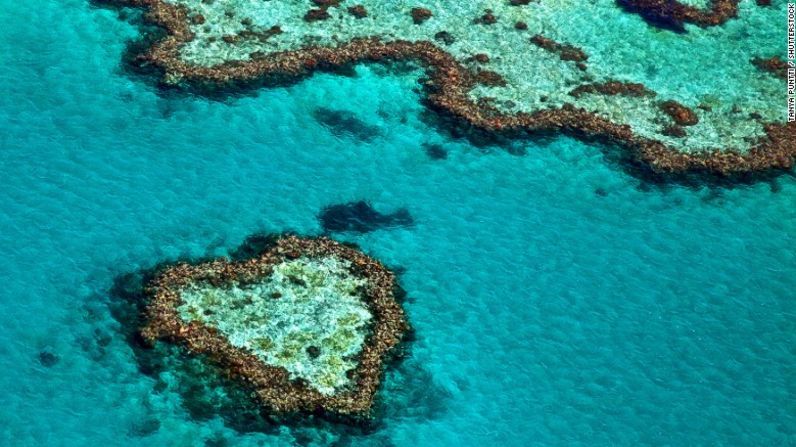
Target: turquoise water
(557, 300)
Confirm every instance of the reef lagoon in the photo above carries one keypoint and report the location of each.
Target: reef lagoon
(561, 288)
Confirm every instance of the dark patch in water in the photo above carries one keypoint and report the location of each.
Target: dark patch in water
(347, 70)
(600, 192)
(48, 359)
(383, 114)
(398, 270)
(216, 441)
(412, 392)
(167, 108)
(96, 345)
(360, 217)
(435, 151)
(253, 245)
(518, 150)
(653, 18)
(144, 428)
(344, 123)
(713, 195)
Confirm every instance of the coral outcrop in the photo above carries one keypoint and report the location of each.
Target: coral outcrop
(674, 13)
(774, 65)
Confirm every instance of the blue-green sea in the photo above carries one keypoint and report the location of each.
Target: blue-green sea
(556, 298)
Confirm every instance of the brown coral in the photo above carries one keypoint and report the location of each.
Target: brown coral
(358, 11)
(681, 114)
(612, 88)
(672, 13)
(420, 15)
(565, 52)
(314, 15)
(774, 65)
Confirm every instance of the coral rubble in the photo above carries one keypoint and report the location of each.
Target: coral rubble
(541, 84)
(307, 324)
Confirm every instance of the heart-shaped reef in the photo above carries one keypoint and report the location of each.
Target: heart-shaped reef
(307, 324)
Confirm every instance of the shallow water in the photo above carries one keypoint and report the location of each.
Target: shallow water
(557, 300)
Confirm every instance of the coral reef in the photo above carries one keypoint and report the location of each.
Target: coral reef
(527, 90)
(307, 324)
(673, 14)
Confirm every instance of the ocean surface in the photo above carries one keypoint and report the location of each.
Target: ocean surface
(556, 298)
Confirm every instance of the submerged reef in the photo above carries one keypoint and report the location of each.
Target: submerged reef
(361, 217)
(674, 14)
(344, 123)
(306, 325)
(677, 101)
(435, 151)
